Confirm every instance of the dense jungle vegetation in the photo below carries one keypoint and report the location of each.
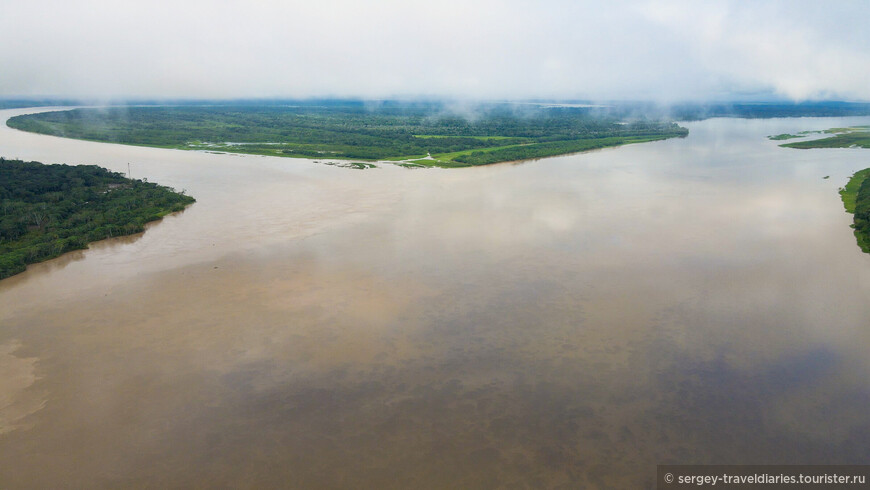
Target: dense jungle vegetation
(424, 133)
(856, 198)
(47, 210)
(862, 215)
(762, 110)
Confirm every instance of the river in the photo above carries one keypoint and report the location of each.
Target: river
(571, 321)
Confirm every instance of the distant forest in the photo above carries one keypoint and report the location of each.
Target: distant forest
(760, 110)
(414, 133)
(417, 133)
(16, 103)
(47, 210)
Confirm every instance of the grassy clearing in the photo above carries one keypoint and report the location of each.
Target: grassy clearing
(452, 156)
(482, 138)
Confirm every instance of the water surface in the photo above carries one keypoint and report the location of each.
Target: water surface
(564, 322)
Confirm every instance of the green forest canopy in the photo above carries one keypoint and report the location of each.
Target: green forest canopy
(47, 210)
(403, 132)
(856, 198)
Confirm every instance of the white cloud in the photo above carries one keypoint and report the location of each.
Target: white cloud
(485, 49)
(795, 49)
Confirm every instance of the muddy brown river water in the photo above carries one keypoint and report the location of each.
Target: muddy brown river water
(561, 323)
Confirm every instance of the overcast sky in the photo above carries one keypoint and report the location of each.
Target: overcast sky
(653, 50)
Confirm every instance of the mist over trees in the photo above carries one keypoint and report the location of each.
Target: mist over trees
(365, 130)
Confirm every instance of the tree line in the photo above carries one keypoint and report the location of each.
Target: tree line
(47, 210)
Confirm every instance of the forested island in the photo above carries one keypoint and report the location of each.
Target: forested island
(854, 136)
(47, 210)
(412, 134)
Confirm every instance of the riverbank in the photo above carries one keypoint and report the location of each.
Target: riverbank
(856, 199)
(48, 210)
